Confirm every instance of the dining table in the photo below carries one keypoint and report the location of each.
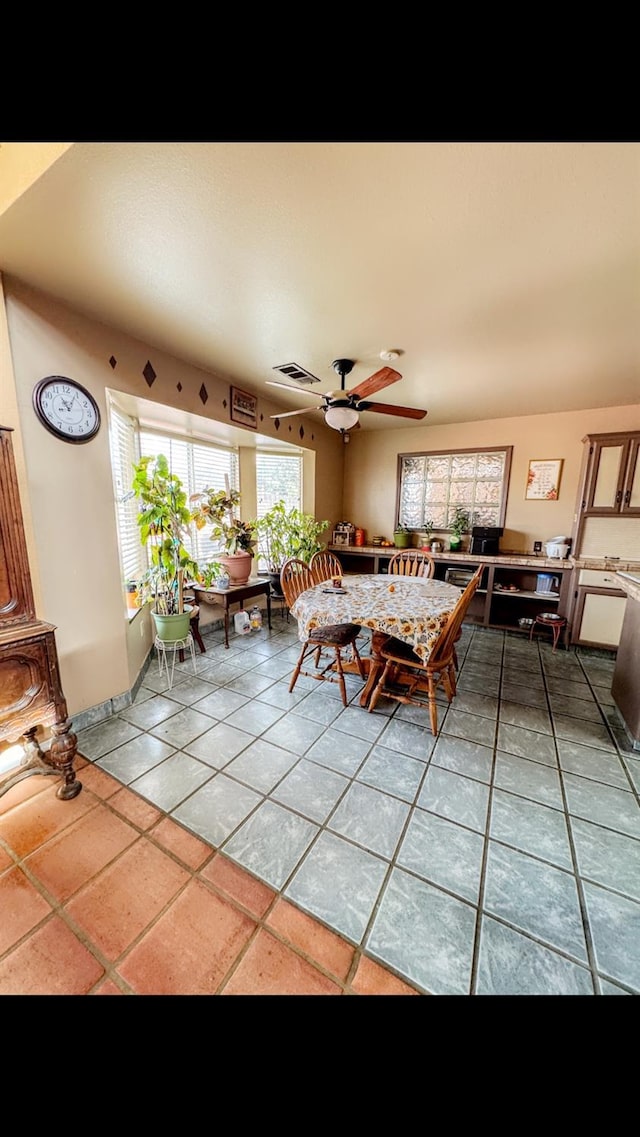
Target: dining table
(410, 608)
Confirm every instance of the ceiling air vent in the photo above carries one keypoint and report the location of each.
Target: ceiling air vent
(293, 371)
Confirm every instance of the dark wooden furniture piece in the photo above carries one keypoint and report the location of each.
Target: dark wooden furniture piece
(30, 691)
(235, 594)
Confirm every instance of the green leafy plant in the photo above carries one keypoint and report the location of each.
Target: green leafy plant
(217, 507)
(210, 573)
(286, 533)
(461, 521)
(163, 521)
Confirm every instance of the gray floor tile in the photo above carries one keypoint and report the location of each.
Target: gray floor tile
(587, 733)
(370, 818)
(279, 696)
(134, 758)
(608, 858)
(531, 827)
(255, 718)
(424, 934)
(464, 757)
(182, 728)
(407, 738)
(219, 745)
(455, 797)
(98, 740)
(261, 765)
(605, 805)
(531, 718)
(294, 733)
(188, 691)
(217, 808)
(475, 728)
(341, 752)
(529, 779)
(250, 684)
(590, 763)
(443, 853)
(570, 688)
(536, 898)
(477, 704)
(358, 721)
(527, 744)
(271, 843)
(614, 923)
(151, 711)
(311, 790)
(528, 696)
(510, 963)
(393, 773)
(172, 781)
(221, 703)
(577, 708)
(313, 706)
(339, 884)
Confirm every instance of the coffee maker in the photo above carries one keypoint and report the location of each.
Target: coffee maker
(485, 540)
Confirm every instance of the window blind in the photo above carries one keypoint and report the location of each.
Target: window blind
(123, 442)
(278, 478)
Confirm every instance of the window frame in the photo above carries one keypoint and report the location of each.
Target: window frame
(506, 477)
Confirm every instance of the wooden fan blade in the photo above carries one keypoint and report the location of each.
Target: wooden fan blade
(288, 387)
(382, 378)
(389, 409)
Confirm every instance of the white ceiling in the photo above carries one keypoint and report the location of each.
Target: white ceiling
(506, 274)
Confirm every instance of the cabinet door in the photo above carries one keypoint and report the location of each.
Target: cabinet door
(598, 619)
(631, 489)
(606, 483)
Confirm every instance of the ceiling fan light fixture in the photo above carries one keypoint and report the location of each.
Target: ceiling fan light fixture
(389, 356)
(341, 418)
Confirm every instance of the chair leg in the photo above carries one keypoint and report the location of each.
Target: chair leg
(297, 668)
(433, 706)
(343, 687)
(377, 690)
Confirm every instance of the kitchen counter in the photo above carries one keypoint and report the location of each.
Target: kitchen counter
(527, 560)
(630, 583)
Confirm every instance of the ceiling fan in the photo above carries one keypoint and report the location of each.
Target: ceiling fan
(342, 408)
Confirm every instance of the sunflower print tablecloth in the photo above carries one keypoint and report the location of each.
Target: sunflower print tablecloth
(412, 609)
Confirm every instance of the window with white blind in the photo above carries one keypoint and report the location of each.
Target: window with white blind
(199, 465)
(125, 452)
(278, 478)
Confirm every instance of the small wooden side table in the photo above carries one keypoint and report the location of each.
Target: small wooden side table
(550, 620)
(234, 595)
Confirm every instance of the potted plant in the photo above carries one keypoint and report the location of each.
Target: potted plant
(214, 573)
(163, 520)
(236, 538)
(284, 533)
(402, 537)
(459, 525)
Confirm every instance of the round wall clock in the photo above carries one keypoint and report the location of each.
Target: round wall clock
(66, 408)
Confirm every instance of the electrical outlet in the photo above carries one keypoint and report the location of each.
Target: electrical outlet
(142, 629)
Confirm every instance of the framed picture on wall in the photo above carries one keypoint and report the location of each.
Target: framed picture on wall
(543, 479)
(244, 408)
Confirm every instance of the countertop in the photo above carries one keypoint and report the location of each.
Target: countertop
(630, 583)
(530, 560)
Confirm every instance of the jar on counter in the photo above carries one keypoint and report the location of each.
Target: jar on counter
(436, 546)
(359, 537)
(255, 618)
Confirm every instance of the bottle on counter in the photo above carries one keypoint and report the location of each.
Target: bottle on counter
(255, 618)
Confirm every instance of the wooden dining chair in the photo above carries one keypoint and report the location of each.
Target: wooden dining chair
(412, 562)
(325, 565)
(406, 678)
(328, 641)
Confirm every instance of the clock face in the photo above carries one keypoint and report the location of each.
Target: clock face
(66, 409)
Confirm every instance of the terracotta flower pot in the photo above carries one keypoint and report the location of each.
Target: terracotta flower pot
(238, 565)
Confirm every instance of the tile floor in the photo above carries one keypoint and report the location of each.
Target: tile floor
(232, 838)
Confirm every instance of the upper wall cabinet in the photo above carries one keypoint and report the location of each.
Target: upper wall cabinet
(611, 475)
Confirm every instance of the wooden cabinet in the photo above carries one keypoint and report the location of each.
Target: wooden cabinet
(611, 475)
(599, 610)
(30, 691)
